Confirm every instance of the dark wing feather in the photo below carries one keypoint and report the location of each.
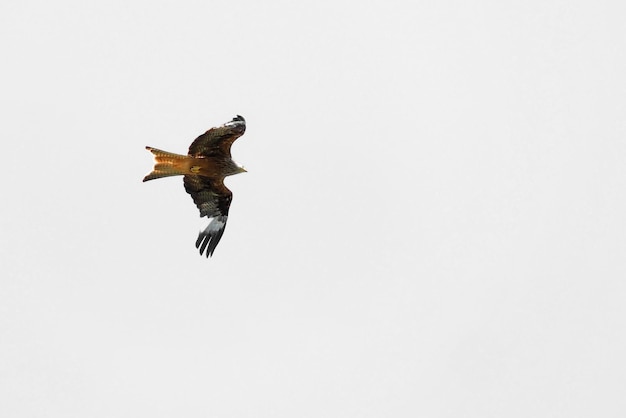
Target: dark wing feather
(217, 141)
(213, 200)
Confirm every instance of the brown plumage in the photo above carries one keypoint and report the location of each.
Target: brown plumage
(204, 168)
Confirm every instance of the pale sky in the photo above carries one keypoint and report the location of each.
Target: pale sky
(432, 222)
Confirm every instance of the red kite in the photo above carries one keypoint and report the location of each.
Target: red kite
(204, 168)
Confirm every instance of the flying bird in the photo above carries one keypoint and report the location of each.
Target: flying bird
(204, 168)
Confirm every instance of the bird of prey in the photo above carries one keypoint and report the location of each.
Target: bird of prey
(204, 168)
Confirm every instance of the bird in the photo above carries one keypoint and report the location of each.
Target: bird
(204, 168)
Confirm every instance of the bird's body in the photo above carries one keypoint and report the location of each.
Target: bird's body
(204, 169)
(170, 164)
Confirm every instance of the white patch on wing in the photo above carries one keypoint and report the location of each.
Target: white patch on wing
(212, 225)
(236, 122)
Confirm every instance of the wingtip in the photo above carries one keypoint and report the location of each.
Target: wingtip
(210, 236)
(237, 121)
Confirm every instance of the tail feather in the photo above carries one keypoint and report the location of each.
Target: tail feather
(166, 164)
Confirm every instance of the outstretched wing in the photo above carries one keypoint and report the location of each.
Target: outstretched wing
(213, 200)
(217, 141)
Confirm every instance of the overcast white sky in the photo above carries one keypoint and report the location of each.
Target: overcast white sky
(432, 224)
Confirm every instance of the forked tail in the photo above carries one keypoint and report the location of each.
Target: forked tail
(166, 164)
